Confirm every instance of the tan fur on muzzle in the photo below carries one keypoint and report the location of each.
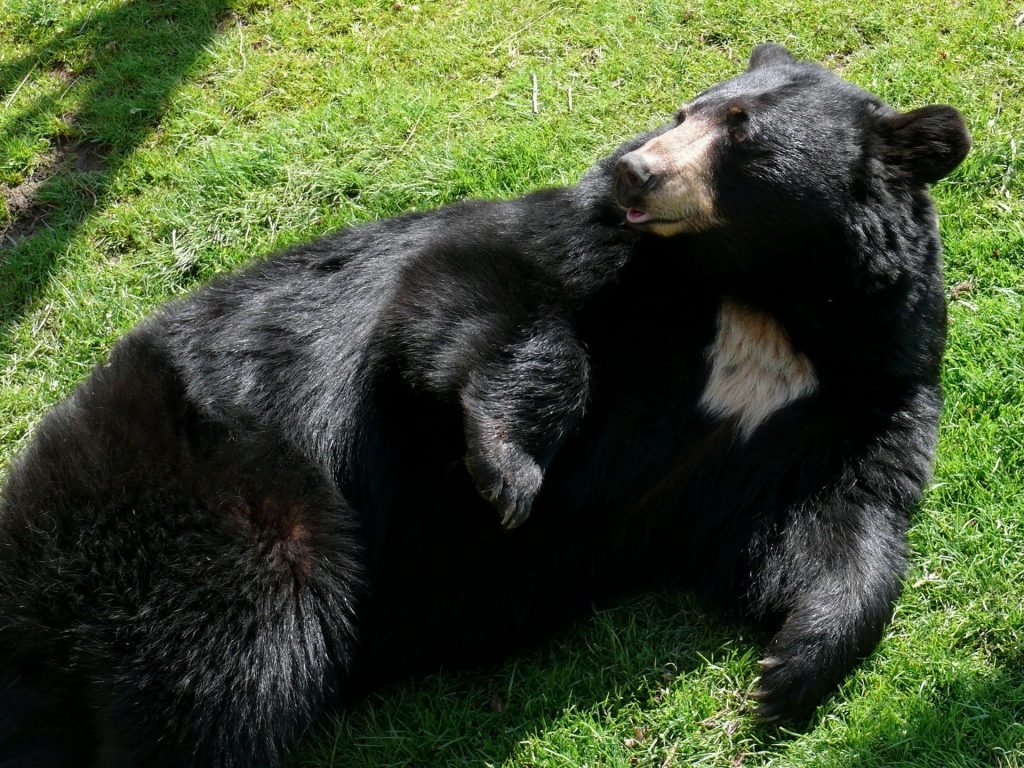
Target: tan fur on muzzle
(681, 158)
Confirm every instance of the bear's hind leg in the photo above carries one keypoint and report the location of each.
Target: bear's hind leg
(199, 617)
(246, 624)
(44, 719)
(174, 591)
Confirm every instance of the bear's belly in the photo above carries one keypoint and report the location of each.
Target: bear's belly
(754, 368)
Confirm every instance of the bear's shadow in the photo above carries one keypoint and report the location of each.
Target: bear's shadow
(617, 664)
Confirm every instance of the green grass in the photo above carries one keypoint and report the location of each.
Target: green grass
(146, 146)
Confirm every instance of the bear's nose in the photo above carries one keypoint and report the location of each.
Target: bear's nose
(633, 175)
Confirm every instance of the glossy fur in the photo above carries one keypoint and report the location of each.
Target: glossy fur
(429, 439)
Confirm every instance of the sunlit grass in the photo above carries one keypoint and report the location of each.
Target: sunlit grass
(157, 144)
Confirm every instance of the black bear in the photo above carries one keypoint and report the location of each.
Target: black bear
(713, 363)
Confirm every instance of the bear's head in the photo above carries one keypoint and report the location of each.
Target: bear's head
(783, 142)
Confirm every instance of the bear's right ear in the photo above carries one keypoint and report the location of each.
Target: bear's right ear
(769, 54)
(926, 143)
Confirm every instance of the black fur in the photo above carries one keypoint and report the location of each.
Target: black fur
(272, 494)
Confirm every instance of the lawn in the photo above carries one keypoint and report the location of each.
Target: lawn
(148, 145)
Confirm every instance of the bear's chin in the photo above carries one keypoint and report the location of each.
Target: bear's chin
(671, 227)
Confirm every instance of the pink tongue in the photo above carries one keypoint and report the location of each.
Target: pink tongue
(636, 216)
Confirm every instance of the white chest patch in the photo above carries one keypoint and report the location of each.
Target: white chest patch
(754, 368)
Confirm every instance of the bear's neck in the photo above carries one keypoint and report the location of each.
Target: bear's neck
(846, 301)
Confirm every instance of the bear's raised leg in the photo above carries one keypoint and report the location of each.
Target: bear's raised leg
(518, 409)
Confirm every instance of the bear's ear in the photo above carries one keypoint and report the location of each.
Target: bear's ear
(769, 54)
(927, 143)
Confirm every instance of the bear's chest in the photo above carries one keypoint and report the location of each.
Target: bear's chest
(753, 368)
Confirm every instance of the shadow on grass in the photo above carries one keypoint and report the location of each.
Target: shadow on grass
(618, 664)
(608, 664)
(118, 68)
(971, 719)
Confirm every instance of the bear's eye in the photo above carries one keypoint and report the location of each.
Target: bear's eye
(681, 115)
(736, 119)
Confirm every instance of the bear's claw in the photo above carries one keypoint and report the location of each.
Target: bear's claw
(788, 690)
(509, 479)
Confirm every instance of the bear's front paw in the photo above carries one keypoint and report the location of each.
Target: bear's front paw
(815, 649)
(785, 691)
(508, 478)
(790, 687)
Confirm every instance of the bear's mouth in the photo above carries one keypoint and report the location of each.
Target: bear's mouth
(637, 216)
(668, 226)
(640, 217)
